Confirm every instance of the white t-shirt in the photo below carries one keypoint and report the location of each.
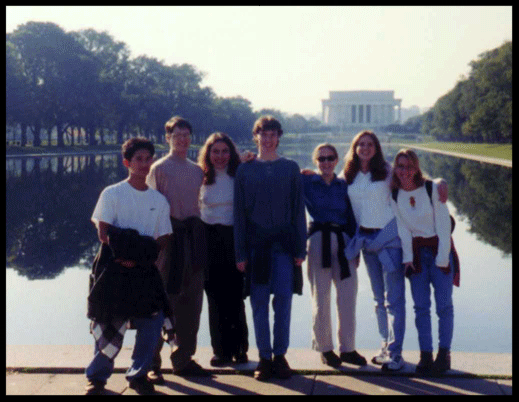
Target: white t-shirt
(216, 200)
(123, 206)
(416, 217)
(370, 201)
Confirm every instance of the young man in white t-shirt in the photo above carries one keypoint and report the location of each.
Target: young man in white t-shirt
(130, 204)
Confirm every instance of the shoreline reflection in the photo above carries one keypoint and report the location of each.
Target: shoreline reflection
(49, 201)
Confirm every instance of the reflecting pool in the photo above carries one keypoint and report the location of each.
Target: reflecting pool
(50, 245)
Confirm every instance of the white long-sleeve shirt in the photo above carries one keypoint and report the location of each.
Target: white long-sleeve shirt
(417, 217)
(216, 200)
(370, 201)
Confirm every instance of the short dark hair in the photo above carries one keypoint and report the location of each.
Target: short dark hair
(265, 123)
(177, 121)
(132, 145)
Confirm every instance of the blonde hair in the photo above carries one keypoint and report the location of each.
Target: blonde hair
(419, 177)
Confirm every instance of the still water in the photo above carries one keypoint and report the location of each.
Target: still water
(50, 244)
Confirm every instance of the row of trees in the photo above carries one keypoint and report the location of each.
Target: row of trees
(479, 108)
(86, 82)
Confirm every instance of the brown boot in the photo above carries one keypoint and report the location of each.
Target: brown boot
(442, 362)
(264, 370)
(425, 364)
(281, 368)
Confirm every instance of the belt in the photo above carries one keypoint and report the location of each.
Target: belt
(368, 230)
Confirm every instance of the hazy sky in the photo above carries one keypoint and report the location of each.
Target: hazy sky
(289, 58)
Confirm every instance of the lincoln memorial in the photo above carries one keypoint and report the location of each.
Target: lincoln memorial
(352, 111)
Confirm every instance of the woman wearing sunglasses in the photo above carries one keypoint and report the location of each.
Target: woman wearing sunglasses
(333, 224)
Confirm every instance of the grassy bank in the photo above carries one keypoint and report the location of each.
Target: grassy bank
(503, 151)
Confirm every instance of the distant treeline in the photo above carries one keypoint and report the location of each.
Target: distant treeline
(478, 109)
(84, 86)
(85, 82)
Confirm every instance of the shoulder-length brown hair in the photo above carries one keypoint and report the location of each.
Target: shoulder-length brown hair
(419, 177)
(377, 165)
(204, 160)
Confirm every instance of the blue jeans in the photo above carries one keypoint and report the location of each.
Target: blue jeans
(389, 295)
(281, 286)
(146, 338)
(421, 291)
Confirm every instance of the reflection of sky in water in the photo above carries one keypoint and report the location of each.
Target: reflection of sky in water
(482, 307)
(54, 311)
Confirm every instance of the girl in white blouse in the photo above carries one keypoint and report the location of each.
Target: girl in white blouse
(223, 283)
(424, 227)
(368, 176)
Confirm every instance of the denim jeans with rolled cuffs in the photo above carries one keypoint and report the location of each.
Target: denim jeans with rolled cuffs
(421, 292)
(280, 284)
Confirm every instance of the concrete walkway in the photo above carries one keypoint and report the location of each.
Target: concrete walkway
(59, 370)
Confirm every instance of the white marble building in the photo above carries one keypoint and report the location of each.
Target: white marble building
(357, 110)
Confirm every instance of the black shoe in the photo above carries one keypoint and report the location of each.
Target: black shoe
(95, 387)
(142, 386)
(264, 370)
(442, 362)
(193, 369)
(155, 377)
(331, 359)
(425, 364)
(281, 368)
(220, 361)
(241, 358)
(353, 358)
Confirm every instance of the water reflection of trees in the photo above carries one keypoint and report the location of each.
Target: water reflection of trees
(481, 192)
(49, 201)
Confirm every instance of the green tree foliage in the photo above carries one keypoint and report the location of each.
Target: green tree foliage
(85, 82)
(235, 117)
(478, 108)
(57, 69)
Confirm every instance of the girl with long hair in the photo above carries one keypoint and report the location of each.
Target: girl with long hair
(219, 161)
(424, 227)
(368, 175)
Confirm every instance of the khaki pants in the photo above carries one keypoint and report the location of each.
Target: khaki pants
(320, 285)
(187, 308)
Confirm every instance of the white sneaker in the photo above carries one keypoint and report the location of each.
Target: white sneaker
(382, 357)
(396, 363)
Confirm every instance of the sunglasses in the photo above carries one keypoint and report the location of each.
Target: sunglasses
(330, 158)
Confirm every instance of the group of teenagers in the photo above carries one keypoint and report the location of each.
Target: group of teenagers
(235, 226)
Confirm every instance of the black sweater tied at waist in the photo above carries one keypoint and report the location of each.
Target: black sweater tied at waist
(327, 228)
